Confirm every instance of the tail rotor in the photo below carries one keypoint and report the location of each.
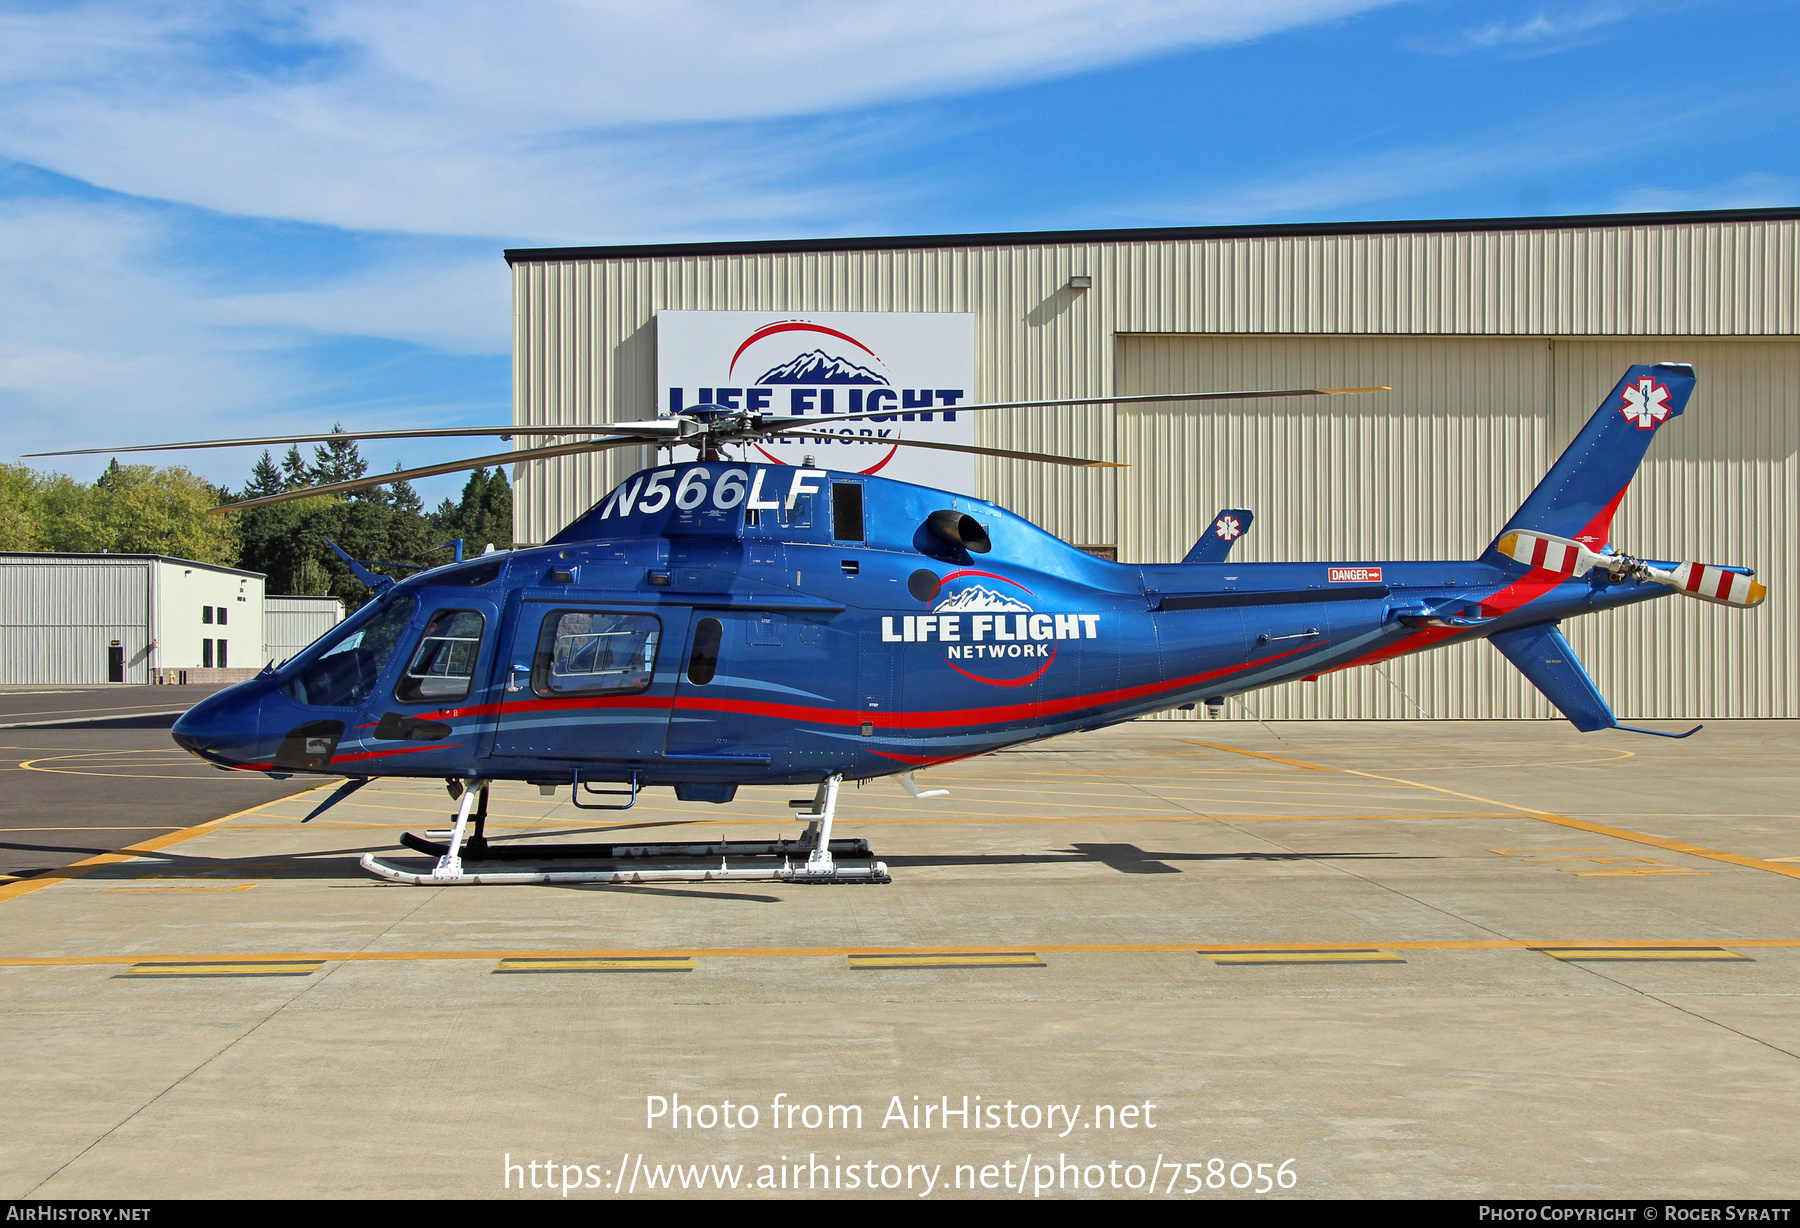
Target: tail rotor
(1731, 586)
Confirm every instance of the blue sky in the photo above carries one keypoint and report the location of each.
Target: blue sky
(241, 218)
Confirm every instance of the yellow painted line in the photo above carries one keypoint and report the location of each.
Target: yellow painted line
(1642, 953)
(167, 890)
(1303, 957)
(983, 959)
(1131, 948)
(636, 963)
(50, 878)
(1238, 750)
(1660, 871)
(1600, 829)
(284, 967)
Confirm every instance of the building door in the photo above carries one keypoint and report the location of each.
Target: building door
(115, 662)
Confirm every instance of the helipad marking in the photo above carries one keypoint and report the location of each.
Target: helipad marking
(974, 959)
(1642, 954)
(1362, 956)
(630, 963)
(193, 968)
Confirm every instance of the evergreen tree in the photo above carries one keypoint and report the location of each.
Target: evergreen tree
(293, 469)
(265, 479)
(404, 497)
(338, 460)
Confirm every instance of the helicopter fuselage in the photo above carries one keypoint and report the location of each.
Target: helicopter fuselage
(715, 624)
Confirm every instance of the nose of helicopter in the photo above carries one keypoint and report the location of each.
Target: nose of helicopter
(223, 728)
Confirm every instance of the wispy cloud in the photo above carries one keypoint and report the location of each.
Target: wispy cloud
(527, 119)
(1514, 154)
(1751, 191)
(1545, 31)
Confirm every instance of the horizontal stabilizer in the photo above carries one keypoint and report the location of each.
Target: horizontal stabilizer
(1230, 524)
(1544, 656)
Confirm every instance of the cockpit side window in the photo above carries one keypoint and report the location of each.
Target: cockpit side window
(346, 673)
(443, 665)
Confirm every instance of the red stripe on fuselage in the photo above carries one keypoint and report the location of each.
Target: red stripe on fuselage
(1520, 592)
(852, 717)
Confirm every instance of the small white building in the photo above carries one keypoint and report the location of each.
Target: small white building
(291, 623)
(136, 618)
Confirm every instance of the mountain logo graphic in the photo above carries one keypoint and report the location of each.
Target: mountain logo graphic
(983, 600)
(818, 367)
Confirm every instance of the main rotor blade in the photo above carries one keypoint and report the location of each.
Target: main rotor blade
(1130, 400)
(405, 475)
(594, 428)
(1080, 462)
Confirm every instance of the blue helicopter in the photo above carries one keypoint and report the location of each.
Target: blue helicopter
(714, 623)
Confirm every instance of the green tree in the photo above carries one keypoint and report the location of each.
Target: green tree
(19, 510)
(138, 509)
(483, 515)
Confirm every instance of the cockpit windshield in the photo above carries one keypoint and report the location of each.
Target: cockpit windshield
(345, 673)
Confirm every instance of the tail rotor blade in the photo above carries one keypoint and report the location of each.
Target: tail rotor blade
(1719, 585)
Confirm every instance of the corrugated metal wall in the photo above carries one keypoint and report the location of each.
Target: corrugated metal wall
(1432, 469)
(291, 623)
(1499, 343)
(57, 618)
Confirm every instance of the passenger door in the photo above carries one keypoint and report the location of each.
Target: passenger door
(589, 683)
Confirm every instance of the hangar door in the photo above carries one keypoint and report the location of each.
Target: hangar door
(1432, 469)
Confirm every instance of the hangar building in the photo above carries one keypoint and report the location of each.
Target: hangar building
(1498, 336)
(85, 618)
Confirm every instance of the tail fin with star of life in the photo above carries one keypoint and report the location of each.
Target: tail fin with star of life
(1577, 498)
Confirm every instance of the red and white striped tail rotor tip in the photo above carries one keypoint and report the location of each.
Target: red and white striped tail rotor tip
(1553, 554)
(1714, 584)
(1560, 556)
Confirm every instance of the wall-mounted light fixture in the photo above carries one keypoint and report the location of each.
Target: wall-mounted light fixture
(1081, 281)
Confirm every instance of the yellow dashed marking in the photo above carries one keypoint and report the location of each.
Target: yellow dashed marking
(651, 963)
(227, 968)
(1653, 954)
(984, 959)
(1303, 957)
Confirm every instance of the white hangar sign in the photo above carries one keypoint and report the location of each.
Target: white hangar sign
(817, 365)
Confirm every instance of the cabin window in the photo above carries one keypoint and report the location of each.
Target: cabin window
(703, 661)
(356, 653)
(847, 511)
(591, 652)
(443, 665)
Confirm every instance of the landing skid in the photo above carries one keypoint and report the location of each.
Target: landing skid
(475, 860)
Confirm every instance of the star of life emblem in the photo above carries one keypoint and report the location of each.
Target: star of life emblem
(1646, 404)
(1227, 528)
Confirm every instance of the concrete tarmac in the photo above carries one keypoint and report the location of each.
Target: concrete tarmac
(85, 770)
(1382, 960)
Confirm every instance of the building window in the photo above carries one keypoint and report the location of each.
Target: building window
(222, 662)
(221, 618)
(206, 614)
(206, 654)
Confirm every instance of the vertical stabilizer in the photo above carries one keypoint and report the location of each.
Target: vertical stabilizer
(1577, 498)
(1221, 535)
